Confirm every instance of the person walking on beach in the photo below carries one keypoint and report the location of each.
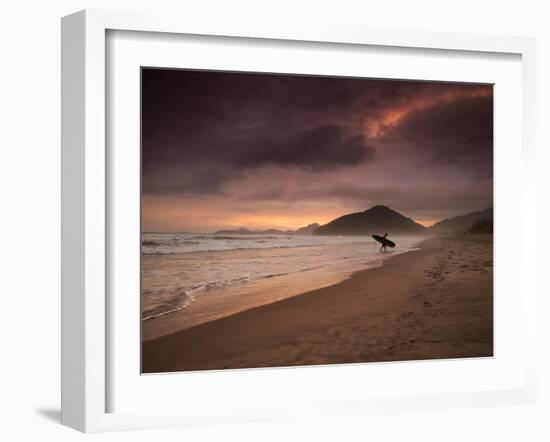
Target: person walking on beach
(384, 241)
(384, 244)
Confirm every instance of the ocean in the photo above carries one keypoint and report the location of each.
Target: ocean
(207, 276)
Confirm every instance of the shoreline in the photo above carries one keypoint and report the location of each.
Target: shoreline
(260, 291)
(391, 312)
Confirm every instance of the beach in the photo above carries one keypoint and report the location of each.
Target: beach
(432, 303)
(190, 279)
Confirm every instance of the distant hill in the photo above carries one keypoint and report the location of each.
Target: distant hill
(463, 222)
(243, 231)
(377, 219)
(481, 226)
(307, 230)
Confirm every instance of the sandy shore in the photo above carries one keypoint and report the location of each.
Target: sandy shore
(432, 303)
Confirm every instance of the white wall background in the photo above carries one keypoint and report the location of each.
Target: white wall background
(30, 215)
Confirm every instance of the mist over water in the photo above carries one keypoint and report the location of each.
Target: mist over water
(229, 273)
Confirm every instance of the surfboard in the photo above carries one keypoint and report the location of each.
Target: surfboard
(383, 241)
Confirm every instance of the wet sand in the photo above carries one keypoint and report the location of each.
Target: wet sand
(429, 304)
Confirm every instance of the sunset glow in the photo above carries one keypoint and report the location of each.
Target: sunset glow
(376, 126)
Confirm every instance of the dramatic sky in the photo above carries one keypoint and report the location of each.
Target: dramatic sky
(229, 150)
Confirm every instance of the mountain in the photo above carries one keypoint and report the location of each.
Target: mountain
(463, 222)
(241, 231)
(481, 226)
(377, 219)
(307, 230)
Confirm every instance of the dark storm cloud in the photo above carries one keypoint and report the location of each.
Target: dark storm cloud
(319, 148)
(457, 134)
(217, 125)
(402, 143)
(249, 120)
(166, 179)
(206, 116)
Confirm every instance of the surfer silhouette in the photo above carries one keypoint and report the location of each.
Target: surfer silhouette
(384, 244)
(384, 241)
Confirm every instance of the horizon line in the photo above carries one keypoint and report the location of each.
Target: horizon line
(427, 223)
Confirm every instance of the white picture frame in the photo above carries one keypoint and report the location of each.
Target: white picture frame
(86, 203)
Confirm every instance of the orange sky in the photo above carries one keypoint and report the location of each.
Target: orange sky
(210, 214)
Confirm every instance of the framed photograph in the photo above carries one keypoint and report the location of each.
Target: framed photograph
(270, 222)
